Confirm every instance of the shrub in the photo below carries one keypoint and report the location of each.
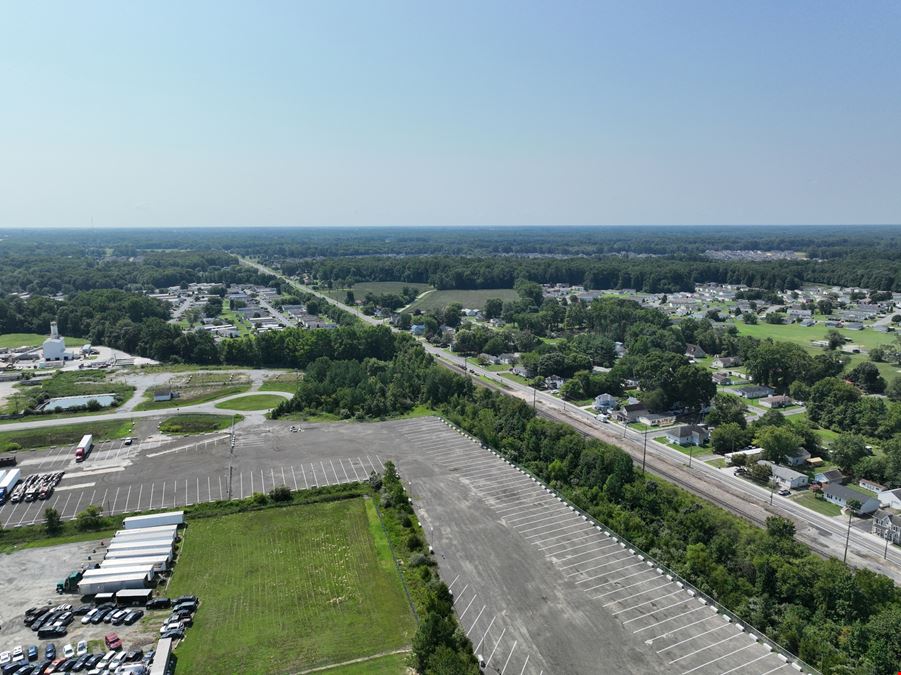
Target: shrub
(406, 521)
(418, 559)
(259, 498)
(414, 543)
(280, 494)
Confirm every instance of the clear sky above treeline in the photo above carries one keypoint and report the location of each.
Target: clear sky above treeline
(475, 112)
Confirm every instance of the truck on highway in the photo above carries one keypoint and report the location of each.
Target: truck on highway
(84, 447)
(7, 483)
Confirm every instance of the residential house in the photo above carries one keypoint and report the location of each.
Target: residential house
(656, 419)
(776, 401)
(722, 379)
(887, 524)
(807, 323)
(871, 485)
(489, 359)
(631, 412)
(840, 495)
(605, 402)
(506, 359)
(787, 478)
(522, 371)
(694, 352)
(418, 329)
(799, 458)
(553, 382)
(688, 434)
(755, 391)
(890, 498)
(827, 477)
(727, 362)
(853, 325)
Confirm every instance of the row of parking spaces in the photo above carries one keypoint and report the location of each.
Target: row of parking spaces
(498, 644)
(685, 631)
(185, 491)
(103, 451)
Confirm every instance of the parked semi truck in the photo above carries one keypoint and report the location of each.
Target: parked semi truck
(7, 483)
(70, 583)
(84, 447)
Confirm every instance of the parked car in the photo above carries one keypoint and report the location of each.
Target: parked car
(185, 598)
(112, 641)
(159, 603)
(50, 652)
(32, 652)
(175, 634)
(133, 616)
(81, 648)
(68, 650)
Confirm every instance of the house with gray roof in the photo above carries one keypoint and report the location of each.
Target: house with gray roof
(841, 495)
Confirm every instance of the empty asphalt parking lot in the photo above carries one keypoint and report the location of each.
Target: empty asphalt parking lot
(538, 588)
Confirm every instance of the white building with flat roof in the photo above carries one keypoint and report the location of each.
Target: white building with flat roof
(55, 347)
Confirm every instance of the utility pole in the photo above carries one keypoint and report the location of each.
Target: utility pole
(644, 453)
(772, 490)
(690, 455)
(852, 506)
(534, 396)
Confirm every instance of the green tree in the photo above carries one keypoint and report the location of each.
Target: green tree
(52, 522)
(729, 437)
(89, 519)
(834, 339)
(350, 299)
(780, 528)
(778, 443)
(493, 308)
(847, 450)
(866, 376)
(726, 409)
(893, 391)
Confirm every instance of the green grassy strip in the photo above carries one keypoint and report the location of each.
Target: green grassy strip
(63, 434)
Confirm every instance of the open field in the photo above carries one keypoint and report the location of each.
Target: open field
(65, 434)
(235, 319)
(391, 664)
(13, 340)
(286, 382)
(283, 590)
(469, 299)
(196, 423)
(378, 287)
(252, 402)
(802, 336)
(196, 387)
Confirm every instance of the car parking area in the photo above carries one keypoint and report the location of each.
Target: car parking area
(169, 473)
(514, 552)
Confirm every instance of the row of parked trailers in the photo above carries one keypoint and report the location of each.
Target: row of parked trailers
(135, 555)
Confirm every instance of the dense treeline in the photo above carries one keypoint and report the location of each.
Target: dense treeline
(46, 273)
(838, 619)
(816, 241)
(875, 270)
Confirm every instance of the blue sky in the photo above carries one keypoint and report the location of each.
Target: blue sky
(476, 113)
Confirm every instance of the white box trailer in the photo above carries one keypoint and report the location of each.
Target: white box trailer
(154, 520)
(147, 532)
(147, 543)
(158, 539)
(8, 482)
(112, 583)
(139, 553)
(160, 563)
(126, 569)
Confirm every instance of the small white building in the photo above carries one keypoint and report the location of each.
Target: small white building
(55, 347)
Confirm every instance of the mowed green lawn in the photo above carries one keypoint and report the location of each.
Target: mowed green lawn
(288, 589)
(13, 340)
(252, 402)
(469, 299)
(377, 287)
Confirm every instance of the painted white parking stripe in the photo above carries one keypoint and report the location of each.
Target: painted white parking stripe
(695, 637)
(646, 602)
(569, 543)
(477, 619)
(779, 667)
(672, 632)
(590, 579)
(629, 597)
(720, 658)
(627, 576)
(661, 609)
(746, 664)
(509, 656)
(496, 645)
(469, 604)
(485, 634)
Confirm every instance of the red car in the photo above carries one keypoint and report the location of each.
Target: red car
(112, 641)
